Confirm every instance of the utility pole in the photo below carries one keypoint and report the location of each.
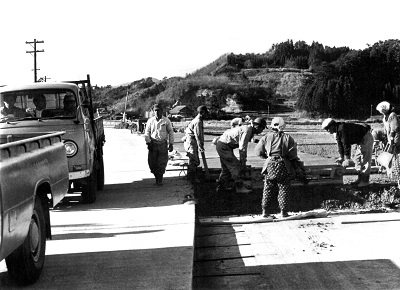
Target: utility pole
(126, 101)
(34, 42)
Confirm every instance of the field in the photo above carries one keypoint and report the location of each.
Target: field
(382, 195)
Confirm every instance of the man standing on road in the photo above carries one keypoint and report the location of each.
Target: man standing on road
(237, 137)
(348, 134)
(194, 142)
(159, 137)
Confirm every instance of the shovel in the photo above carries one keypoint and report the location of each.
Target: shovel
(203, 157)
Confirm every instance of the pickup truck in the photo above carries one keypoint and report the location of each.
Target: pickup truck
(34, 178)
(61, 106)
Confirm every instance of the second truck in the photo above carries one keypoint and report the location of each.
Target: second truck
(61, 106)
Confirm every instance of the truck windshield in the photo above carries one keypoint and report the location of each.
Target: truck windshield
(33, 104)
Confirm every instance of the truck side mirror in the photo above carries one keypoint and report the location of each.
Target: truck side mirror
(86, 104)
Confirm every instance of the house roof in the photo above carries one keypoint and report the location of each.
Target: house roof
(178, 109)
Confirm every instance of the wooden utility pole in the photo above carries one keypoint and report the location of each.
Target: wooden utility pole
(34, 42)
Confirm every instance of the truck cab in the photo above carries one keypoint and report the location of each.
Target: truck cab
(63, 106)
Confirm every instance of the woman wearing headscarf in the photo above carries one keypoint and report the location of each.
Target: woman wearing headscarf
(282, 165)
(391, 127)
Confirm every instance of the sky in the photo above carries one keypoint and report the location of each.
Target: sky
(121, 41)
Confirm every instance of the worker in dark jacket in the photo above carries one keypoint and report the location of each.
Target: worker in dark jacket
(348, 134)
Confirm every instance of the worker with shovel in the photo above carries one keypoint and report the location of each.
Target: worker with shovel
(193, 142)
(348, 134)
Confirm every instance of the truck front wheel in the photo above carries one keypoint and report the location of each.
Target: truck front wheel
(89, 188)
(26, 262)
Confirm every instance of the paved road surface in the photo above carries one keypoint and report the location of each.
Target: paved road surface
(136, 236)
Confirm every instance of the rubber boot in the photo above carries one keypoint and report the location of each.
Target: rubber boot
(364, 180)
(192, 176)
(284, 213)
(156, 177)
(159, 179)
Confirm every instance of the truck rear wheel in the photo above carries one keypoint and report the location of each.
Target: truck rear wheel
(89, 189)
(100, 174)
(26, 263)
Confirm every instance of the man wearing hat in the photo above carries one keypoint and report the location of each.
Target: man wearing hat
(194, 142)
(348, 134)
(232, 168)
(159, 137)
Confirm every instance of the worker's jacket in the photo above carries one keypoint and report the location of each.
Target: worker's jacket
(277, 146)
(348, 134)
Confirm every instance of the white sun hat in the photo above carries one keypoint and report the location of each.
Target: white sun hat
(278, 123)
(383, 107)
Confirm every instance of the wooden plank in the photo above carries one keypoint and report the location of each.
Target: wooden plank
(387, 217)
(233, 266)
(233, 282)
(202, 230)
(250, 219)
(221, 241)
(223, 252)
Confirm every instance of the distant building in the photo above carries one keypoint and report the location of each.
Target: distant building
(181, 112)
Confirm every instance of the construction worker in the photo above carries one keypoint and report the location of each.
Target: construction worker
(348, 134)
(281, 165)
(234, 123)
(159, 137)
(237, 137)
(391, 126)
(391, 132)
(194, 142)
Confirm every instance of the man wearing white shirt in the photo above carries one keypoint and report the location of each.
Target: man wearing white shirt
(159, 137)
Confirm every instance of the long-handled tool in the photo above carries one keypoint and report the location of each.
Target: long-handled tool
(203, 157)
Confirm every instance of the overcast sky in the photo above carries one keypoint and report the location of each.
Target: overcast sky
(119, 41)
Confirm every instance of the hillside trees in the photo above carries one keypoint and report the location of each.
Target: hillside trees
(350, 85)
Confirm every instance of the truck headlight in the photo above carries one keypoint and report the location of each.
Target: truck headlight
(71, 148)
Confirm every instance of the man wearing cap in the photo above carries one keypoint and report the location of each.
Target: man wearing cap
(159, 137)
(232, 168)
(194, 142)
(348, 134)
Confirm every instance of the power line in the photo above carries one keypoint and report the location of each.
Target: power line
(34, 42)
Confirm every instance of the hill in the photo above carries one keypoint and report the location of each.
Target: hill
(316, 79)
(223, 88)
